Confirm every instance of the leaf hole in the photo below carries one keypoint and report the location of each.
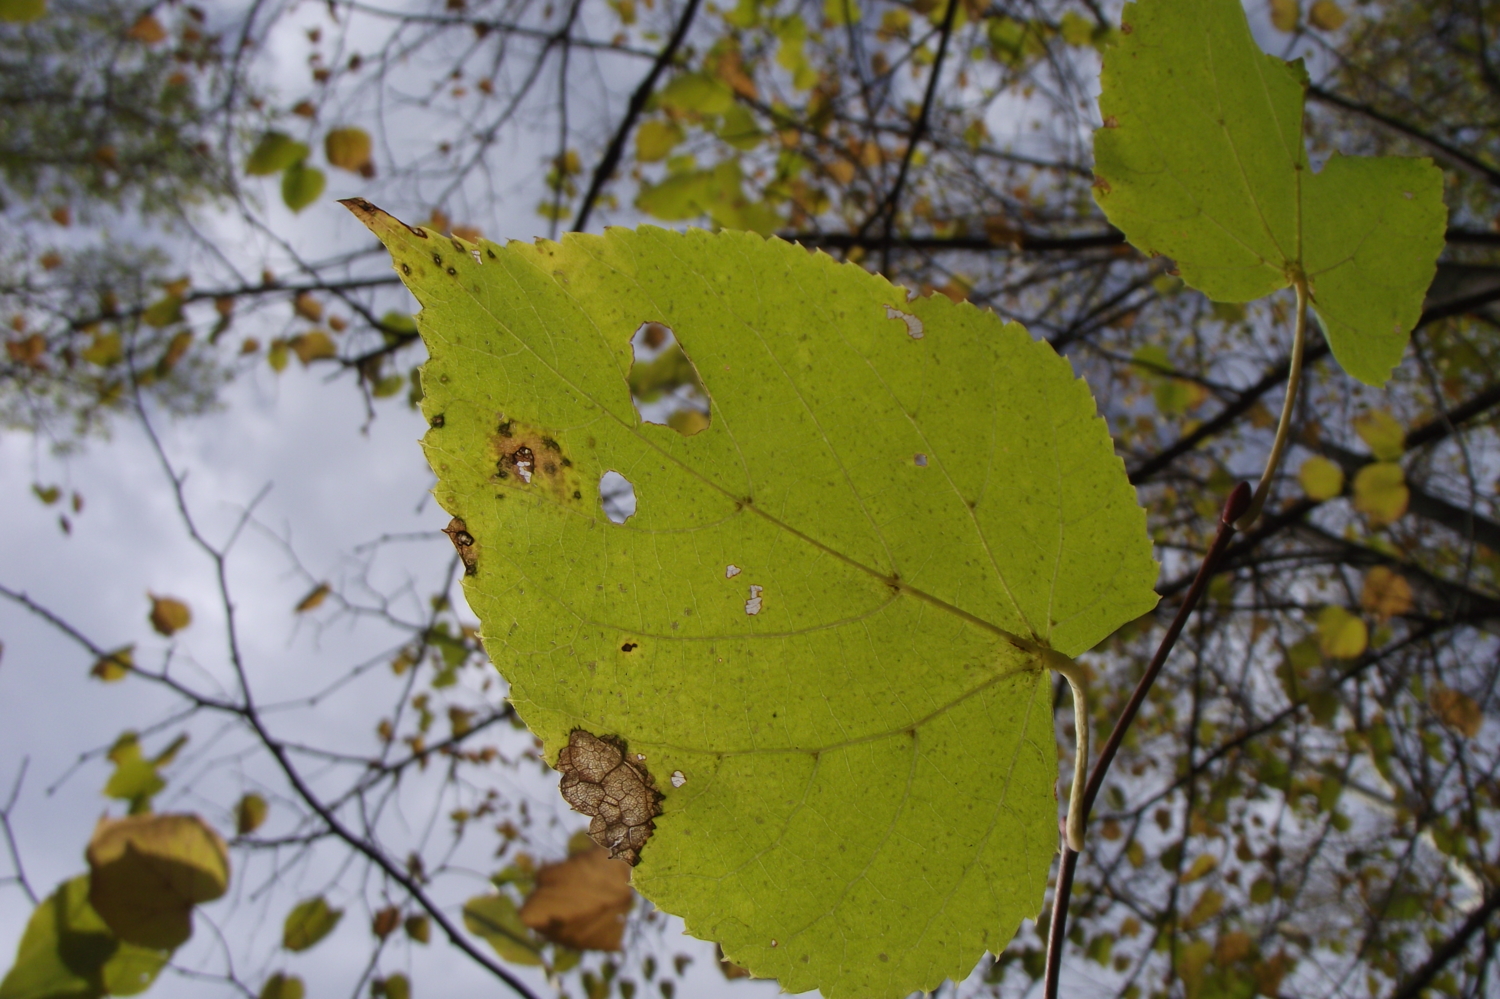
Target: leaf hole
(617, 496)
(664, 383)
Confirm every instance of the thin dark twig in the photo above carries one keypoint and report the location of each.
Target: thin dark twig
(279, 753)
(633, 111)
(918, 132)
(1448, 950)
(1234, 507)
(10, 835)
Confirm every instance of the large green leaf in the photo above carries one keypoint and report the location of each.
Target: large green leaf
(1201, 158)
(67, 952)
(822, 632)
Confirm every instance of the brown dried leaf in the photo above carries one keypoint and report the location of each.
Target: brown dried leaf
(601, 781)
(1458, 711)
(147, 29)
(386, 921)
(1386, 594)
(312, 600)
(581, 902)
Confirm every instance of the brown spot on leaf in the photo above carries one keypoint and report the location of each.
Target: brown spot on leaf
(463, 543)
(516, 449)
(601, 781)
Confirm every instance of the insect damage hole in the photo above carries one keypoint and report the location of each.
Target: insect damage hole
(617, 496)
(664, 383)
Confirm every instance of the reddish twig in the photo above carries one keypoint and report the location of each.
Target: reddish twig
(1234, 507)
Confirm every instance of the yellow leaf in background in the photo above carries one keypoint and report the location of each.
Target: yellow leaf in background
(1380, 492)
(396, 986)
(178, 346)
(386, 921)
(1458, 711)
(1204, 864)
(1383, 434)
(146, 873)
(104, 351)
(1341, 635)
(249, 814)
(301, 185)
(163, 312)
(1321, 479)
(308, 923)
(418, 928)
(147, 29)
(842, 12)
(47, 494)
(494, 917)
(348, 148)
(1325, 15)
(656, 139)
(313, 599)
(1285, 14)
(1386, 593)
(1209, 904)
(307, 307)
(169, 615)
(280, 986)
(312, 346)
(22, 11)
(114, 665)
(276, 356)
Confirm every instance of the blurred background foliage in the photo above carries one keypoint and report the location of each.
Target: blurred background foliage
(1307, 806)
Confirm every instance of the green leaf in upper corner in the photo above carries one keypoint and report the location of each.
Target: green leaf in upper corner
(309, 923)
(301, 185)
(274, 153)
(496, 919)
(1202, 159)
(822, 633)
(67, 952)
(22, 11)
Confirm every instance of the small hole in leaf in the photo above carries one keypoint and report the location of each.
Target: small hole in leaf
(664, 384)
(617, 496)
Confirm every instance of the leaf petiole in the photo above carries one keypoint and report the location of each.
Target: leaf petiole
(1284, 426)
(1077, 812)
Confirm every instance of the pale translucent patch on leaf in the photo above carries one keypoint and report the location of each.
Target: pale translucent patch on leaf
(914, 327)
(678, 778)
(753, 605)
(731, 571)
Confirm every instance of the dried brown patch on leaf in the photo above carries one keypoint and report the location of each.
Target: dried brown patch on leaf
(581, 902)
(530, 459)
(602, 781)
(463, 543)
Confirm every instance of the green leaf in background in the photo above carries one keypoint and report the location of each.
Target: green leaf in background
(22, 11)
(301, 185)
(274, 153)
(824, 632)
(281, 986)
(496, 919)
(1201, 158)
(67, 952)
(308, 923)
(149, 871)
